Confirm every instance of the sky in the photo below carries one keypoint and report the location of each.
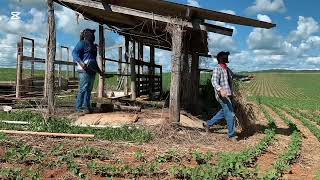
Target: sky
(293, 44)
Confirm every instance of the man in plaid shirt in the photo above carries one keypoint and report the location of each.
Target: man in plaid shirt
(222, 82)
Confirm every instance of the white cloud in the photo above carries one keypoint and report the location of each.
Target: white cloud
(194, 3)
(306, 27)
(67, 22)
(263, 39)
(313, 60)
(227, 11)
(163, 57)
(36, 24)
(264, 18)
(268, 50)
(265, 6)
(288, 18)
(218, 42)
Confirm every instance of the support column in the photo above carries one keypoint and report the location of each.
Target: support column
(127, 55)
(140, 67)
(133, 79)
(59, 70)
(151, 71)
(120, 64)
(133, 74)
(19, 75)
(51, 53)
(101, 86)
(176, 32)
(185, 78)
(195, 83)
(32, 63)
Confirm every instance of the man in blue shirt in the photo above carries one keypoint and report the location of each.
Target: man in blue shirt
(85, 55)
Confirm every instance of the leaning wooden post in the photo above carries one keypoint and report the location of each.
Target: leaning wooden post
(101, 93)
(127, 55)
(176, 32)
(51, 53)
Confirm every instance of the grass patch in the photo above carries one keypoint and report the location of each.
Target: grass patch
(37, 123)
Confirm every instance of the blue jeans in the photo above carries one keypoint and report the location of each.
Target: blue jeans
(86, 82)
(227, 113)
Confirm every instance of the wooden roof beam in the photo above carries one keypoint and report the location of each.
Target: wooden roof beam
(147, 15)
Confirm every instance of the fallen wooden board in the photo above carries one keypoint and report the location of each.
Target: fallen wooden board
(16, 122)
(47, 134)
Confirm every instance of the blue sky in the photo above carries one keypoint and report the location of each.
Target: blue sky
(293, 44)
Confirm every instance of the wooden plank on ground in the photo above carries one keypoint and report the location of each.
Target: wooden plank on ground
(47, 134)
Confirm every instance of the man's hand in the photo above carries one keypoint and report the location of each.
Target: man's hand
(223, 93)
(101, 74)
(252, 77)
(84, 66)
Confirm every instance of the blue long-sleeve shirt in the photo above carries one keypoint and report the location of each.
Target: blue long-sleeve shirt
(85, 53)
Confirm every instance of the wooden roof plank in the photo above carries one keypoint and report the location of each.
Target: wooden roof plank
(166, 8)
(150, 16)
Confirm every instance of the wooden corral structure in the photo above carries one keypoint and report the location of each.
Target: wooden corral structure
(155, 23)
(32, 85)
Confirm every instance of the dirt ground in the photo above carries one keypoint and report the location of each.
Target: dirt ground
(184, 140)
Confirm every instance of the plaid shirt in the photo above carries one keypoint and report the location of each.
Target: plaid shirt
(220, 80)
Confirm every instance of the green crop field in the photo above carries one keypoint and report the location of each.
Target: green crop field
(285, 146)
(297, 90)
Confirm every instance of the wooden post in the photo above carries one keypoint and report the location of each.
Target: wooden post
(195, 83)
(176, 32)
(101, 93)
(59, 69)
(133, 73)
(140, 67)
(133, 79)
(19, 75)
(127, 55)
(120, 64)
(51, 53)
(185, 88)
(32, 63)
(151, 71)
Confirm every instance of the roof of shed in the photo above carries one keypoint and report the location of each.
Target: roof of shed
(145, 20)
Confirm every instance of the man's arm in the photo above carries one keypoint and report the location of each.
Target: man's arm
(76, 54)
(240, 77)
(215, 79)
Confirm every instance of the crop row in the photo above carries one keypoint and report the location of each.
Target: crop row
(231, 164)
(311, 116)
(271, 87)
(293, 150)
(310, 125)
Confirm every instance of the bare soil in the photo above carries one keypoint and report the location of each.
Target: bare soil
(275, 150)
(184, 140)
